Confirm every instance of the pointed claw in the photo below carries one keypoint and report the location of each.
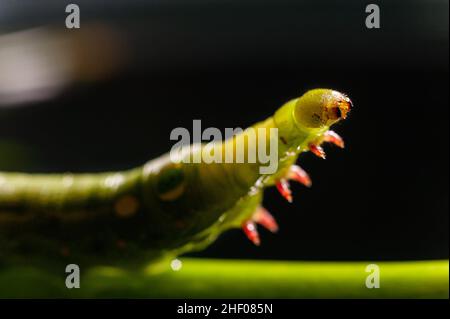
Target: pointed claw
(333, 137)
(265, 219)
(298, 174)
(317, 150)
(249, 228)
(283, 188)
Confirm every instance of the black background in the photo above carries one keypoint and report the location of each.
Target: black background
(231, 64)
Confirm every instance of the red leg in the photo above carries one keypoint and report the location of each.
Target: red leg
(283, 187)
(265, 219)
(298, 174)
(249, 228)
(333, 137)
(317, 150)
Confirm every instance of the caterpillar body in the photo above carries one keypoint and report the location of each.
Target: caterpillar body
(162, 208)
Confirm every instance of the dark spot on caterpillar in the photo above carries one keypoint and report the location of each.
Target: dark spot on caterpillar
(143, 236)
(98, 245)
(283, 140)
(180, 224)
(170, 184)
(126, 206)
(65, 251)
(121, 244)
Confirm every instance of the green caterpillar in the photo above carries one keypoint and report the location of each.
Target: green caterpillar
(162, 208)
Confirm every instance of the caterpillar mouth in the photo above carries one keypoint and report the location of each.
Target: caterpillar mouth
(344, 106)
(340, 106)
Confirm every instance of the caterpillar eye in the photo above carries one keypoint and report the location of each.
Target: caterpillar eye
(170, 184)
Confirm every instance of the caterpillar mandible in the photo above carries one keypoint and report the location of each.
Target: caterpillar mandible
(161, 208)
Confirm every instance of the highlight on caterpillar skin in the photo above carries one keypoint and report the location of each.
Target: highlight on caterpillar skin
(163, 207)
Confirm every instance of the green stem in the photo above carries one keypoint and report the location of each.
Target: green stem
(204, 278)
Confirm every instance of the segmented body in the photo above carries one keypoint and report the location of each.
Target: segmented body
(161, 208)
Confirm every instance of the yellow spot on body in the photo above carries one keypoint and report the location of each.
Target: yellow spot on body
(126, 206)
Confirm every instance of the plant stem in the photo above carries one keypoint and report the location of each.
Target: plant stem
(206, 278)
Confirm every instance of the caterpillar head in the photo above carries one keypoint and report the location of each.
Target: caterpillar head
(321, 107)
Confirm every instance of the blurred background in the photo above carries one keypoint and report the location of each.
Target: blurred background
(106, 97)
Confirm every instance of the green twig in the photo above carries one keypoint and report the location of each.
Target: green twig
(204, 278)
